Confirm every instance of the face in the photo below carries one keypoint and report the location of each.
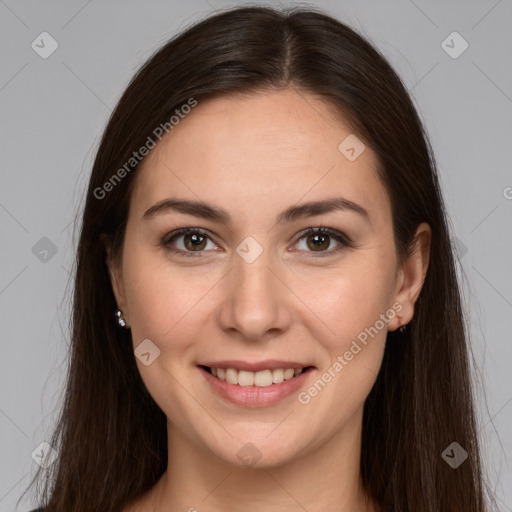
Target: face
(251, 288)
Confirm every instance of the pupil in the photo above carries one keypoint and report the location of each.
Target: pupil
(195, 239)
(318, 240)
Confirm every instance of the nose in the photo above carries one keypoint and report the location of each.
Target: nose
(256, 302)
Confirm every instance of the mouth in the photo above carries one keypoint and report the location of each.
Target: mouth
(262, 378)
(269, 383)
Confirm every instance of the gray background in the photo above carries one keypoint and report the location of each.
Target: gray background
(53, 111)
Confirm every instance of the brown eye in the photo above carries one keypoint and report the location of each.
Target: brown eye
(194, 241)
(319, 241)
(187, 241)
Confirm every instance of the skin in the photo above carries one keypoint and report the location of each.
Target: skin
(255, 156)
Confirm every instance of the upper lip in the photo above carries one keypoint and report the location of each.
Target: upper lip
(269, 364)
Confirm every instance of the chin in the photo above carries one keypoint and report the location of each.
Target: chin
(259, 451)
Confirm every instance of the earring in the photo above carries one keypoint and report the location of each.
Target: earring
(401, 327)
(120, 320)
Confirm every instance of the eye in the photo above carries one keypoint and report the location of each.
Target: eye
(318, 239)
(194, 241)
(190, 242)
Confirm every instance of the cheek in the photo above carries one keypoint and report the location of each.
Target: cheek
(353, 335)
(162, 301)
(346, 301)
(163, 308)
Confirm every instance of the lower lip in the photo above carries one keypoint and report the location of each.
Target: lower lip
(255, 396)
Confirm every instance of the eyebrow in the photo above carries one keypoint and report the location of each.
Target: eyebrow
(214, 213)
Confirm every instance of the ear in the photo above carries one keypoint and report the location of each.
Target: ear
(411, 276)
(116, 276)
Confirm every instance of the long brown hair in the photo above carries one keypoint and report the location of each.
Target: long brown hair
(110, 435)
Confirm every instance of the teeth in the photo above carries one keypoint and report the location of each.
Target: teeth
(245, 378)
(277, 376)
(288, 373)
(231, 376)
(263, 378)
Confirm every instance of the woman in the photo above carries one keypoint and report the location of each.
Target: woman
(266, 311)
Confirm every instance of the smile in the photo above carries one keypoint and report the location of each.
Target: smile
(262, 378)
(255, 388)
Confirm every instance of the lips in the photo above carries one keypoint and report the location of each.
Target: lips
(255, 384)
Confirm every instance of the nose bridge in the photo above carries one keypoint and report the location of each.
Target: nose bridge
(255, 301)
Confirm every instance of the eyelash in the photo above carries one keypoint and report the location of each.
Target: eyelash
(344, 241)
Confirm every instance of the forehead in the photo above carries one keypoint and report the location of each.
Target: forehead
(259, 153)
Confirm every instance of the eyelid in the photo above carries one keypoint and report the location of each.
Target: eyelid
(328, 231)
(169, 237)
(343, 240)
